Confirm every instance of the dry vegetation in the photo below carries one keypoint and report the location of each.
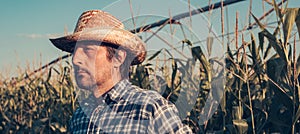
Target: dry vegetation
(261, 90)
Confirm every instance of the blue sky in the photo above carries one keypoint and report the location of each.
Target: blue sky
(27, 25)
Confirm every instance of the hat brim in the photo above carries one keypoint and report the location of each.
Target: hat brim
(119, 37)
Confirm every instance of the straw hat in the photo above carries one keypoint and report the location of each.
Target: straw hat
(96, 25)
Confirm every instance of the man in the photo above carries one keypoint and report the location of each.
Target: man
(102, 54)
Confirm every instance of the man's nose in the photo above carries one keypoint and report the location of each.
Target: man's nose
(76, 57)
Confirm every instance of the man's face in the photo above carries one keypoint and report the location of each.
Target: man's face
(91, 66)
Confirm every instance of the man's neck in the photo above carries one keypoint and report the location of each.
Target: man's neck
(105, 87)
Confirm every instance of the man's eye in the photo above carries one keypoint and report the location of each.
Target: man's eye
(88, 49)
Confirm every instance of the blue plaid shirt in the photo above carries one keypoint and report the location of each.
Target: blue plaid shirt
(127, 109)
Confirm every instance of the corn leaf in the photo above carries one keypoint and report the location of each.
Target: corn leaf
(209, 43)
(273, 41)
(298, 22)
(261, 26)
(278, 12)
(198, 54)
(174, 73)
(261, 42)
(241, 126)
(277, 47)
(154, 55)
(289, 21)
(297, 116)
(297, 67)
(255, 51)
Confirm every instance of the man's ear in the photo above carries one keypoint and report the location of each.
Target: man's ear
(119, 58)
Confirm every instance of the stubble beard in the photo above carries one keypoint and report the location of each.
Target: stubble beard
(86, 82)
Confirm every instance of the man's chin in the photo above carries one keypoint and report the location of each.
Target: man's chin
(84, 83)
(85, 86)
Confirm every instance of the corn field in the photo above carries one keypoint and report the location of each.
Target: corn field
(261, 92)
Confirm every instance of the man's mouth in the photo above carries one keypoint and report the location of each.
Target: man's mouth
(81, 72)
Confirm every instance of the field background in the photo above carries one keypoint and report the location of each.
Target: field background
(260, 73)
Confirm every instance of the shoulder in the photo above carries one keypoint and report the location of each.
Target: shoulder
(150, 99)
(164, 114)
(138, 94)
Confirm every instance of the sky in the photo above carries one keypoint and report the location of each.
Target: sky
(27, 25)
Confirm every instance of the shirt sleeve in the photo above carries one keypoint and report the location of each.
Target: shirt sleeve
(166, 119)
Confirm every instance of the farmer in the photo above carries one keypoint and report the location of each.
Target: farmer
(102, 54)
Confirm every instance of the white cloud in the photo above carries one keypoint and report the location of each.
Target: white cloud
(32, 36)
(37, 36)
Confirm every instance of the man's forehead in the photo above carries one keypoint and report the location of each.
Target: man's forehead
(97, 43)
(88, 43)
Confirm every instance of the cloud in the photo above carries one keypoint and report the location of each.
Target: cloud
(31, 36)
(37, 36)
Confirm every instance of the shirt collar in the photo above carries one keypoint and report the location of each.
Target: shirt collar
(117, 91)
(113, 95)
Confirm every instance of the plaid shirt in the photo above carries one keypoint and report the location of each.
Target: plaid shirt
(127, 109)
